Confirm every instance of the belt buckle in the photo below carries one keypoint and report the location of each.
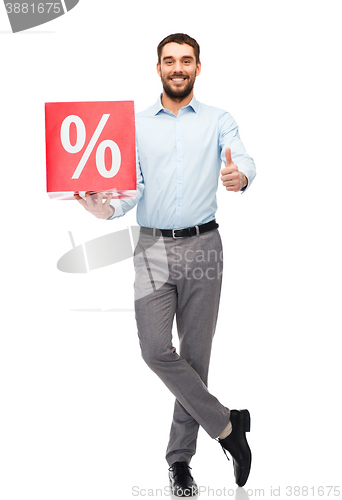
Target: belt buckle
(173, 233)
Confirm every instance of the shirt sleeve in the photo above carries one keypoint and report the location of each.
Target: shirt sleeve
(122, 206)
(229, 137)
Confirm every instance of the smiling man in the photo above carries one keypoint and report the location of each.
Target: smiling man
(181, 144)
(178, 69)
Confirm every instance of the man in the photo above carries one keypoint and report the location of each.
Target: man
(181, 144)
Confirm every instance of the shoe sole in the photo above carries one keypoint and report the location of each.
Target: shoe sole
(246, 425)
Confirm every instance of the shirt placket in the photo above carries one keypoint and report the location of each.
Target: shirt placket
(179, 172)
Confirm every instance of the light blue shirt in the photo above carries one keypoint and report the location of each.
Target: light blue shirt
(179, 159)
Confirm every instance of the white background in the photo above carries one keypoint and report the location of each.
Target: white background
(82, 416)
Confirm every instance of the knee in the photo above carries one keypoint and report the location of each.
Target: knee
(156, 357)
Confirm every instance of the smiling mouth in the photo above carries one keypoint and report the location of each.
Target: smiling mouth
(178, 79)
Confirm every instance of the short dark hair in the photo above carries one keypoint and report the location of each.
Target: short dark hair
(179, 38)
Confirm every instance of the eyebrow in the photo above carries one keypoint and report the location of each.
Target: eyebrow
(171, 57)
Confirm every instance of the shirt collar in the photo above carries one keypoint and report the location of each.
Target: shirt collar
(194, 104)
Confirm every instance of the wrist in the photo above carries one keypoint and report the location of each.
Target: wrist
(110, 212)
(243, 181)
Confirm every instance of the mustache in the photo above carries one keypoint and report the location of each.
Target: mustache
(178, 76)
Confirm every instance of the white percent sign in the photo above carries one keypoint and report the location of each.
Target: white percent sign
(80, 142)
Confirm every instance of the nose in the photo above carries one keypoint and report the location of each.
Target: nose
(178, 67)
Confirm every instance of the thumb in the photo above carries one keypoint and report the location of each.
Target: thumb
(228, 156)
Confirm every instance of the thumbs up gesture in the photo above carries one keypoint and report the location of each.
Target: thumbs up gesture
(231, 178)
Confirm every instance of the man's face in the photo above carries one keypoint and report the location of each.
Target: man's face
(178, 69)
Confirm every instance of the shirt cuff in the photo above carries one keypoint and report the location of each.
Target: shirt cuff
(116, 204)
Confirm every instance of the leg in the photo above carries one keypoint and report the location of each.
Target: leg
(197, 310)
(154, 315)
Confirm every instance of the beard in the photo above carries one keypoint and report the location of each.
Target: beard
(175, 92)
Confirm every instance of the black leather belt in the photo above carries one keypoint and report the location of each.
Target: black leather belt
(183, 232)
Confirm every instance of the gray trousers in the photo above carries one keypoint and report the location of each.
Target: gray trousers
(181, 277)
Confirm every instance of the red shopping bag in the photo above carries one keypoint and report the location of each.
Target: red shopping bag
(90, 146)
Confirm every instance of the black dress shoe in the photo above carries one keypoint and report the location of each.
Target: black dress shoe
(236, 444)
(181, 481)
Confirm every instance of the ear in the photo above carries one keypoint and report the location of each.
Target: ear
(198, 68)
(158, 69)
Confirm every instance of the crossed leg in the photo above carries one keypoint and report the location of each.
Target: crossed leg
(192, 293)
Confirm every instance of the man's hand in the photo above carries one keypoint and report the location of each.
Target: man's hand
(231, 178)
(93, 203)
